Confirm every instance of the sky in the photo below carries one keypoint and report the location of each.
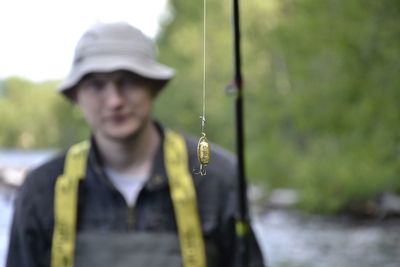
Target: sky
(38, 37)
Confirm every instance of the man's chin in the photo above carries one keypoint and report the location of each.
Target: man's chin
(123, 134)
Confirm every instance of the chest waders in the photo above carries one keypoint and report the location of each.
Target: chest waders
(182, 193)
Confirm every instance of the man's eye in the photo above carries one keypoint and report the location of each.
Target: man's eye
(127, 82)
(94, 85)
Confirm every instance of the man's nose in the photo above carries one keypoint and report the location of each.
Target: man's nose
(113, 95)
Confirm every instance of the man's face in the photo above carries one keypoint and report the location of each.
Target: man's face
(116, 105)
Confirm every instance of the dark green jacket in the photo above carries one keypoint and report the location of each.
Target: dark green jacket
(109, 233)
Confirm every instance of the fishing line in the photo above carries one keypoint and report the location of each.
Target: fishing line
(203, 118)
(203, 147)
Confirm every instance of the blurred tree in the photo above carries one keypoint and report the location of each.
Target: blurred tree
(181, 46)
(35, 116)
(321, 91)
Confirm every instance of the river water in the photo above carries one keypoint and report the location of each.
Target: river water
(291, 239)
(5, 219)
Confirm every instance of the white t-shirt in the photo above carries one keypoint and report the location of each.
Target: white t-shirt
(129, 186)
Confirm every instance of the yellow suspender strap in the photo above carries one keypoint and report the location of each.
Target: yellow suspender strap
(65, 206)
(184, 200)
(182, 192)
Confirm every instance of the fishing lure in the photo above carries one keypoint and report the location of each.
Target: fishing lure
(203, 153)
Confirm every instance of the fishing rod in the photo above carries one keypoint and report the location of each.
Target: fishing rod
(242, 217)
(242, 220)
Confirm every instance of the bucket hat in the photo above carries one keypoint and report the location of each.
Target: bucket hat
(109, 47)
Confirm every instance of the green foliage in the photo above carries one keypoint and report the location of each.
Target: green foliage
(35, 116)
(181, 46)
(321, 91)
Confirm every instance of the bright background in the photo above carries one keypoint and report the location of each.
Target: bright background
(38, 37)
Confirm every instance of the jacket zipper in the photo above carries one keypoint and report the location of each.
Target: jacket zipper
(131, 218)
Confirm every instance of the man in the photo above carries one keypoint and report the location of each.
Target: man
(128, 197)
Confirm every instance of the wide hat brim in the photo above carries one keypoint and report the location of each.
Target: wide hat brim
(144, 67)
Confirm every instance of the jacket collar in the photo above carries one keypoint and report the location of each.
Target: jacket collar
(158, 177)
